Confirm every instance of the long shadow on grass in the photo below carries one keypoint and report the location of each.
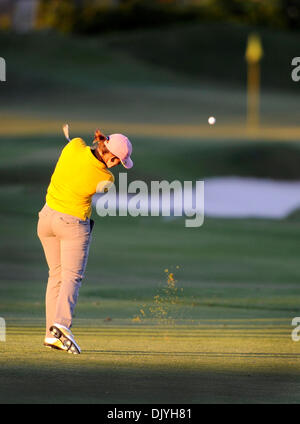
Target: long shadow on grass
(196, 354)
(113, 383)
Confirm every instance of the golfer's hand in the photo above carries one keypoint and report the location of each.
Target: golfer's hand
(66, 131)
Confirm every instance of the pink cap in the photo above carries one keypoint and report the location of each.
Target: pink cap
(120, 146)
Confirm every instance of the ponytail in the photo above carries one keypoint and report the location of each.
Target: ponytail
(98, 141)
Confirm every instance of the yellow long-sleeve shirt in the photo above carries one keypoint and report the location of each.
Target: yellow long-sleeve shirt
(77, 177)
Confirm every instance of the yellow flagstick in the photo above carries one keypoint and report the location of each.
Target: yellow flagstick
(254, 53)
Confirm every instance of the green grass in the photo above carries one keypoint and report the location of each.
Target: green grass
(212, 52)
(239, 267)
(182, 53)
(175, 75)
(230, 335)
(230, 325)
(213, 362)
(184, 159)
(230, 338)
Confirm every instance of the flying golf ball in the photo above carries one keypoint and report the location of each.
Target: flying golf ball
(211, 120)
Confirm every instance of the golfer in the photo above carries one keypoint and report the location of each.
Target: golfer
(64, 226)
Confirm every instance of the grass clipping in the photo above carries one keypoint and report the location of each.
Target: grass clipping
(165, 306)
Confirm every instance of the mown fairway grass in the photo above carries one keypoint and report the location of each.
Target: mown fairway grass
(234, 361)
(230, 334)
(227, 338)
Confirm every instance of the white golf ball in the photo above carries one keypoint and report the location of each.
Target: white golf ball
(211, 120)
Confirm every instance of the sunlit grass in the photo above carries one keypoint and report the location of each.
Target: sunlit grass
(155, 364)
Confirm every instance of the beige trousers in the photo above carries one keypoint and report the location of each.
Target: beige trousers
(65, 240)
